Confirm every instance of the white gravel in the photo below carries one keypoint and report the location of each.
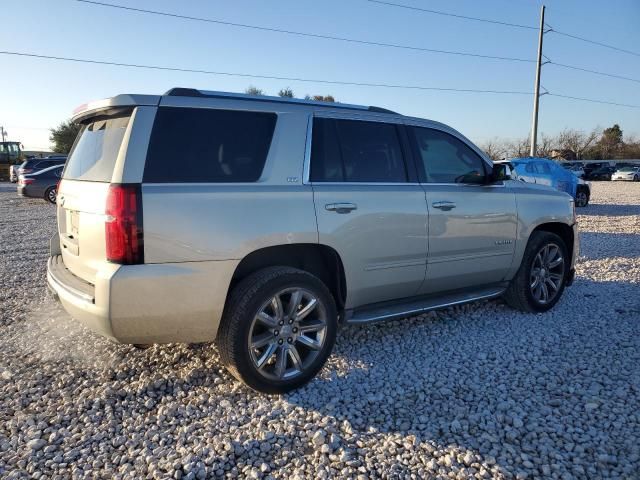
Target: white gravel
(479, 391)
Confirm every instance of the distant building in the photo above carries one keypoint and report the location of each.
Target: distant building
(563, 154)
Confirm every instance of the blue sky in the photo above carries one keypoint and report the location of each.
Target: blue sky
(40, 93)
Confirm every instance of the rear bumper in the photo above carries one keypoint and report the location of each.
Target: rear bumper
(152, 303)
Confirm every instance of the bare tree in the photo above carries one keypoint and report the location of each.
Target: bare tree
(494, 148)
(576, 140)
(544, 146)
(517, 148)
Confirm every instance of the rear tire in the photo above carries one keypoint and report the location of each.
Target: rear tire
(539, 273)
(277, 329)
(636, 178)
(50, 195)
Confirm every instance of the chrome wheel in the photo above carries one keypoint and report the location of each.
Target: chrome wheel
(287, 334)
(51, 195)
(581, 198)
(547, 273)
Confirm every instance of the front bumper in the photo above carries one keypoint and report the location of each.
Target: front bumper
(625, 178)
(574, 254)
(151, 303)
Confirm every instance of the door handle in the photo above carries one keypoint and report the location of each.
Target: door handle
(444, 205)
(340, 207)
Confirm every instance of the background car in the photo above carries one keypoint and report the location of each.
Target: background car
(42, 184)
(602, 173)
(631, 173)
(33, 165)
(577, 170)
(543, 171)
(592, 166)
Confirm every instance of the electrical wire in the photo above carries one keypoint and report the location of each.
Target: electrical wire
(595, 43)
(305, 34)
(592, 100)
(248, 75)
(298, 79)
(448, 14)
(573, 67)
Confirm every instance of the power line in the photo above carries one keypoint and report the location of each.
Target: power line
(573, 67)
(248, 75)
(297, 79)
(303, 34)
(593, 42)
(448, 14)
(582, 99)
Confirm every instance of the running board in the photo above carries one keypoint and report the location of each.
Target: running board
(411, 307)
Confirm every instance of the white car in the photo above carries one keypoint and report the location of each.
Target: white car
(631, 173)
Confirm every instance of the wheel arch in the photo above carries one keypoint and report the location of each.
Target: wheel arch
(564, 231)
(320, 260)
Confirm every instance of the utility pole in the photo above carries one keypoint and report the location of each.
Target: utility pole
(4, 133)
(536, 94)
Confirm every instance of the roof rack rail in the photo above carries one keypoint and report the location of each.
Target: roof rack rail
(192, 92)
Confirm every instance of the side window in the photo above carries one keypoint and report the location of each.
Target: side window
(326, 161)
(356, 151)
(445, 159)
(530, 168)
(200, 145)
(542, 168)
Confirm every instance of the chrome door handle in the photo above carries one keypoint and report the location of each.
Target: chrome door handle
(444, 205)
(340, 207)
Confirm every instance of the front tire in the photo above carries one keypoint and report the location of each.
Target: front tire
(50, 195)
(277, 330)
(582, 197)
(542, 275)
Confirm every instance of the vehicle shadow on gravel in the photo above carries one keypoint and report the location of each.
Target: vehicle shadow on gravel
(609, 210)
(598, 245)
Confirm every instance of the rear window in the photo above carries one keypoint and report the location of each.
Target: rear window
(198, 145)
(94, 154)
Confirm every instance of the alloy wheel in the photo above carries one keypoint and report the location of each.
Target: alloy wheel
(547, 273)
(52, 195)
(287, 334)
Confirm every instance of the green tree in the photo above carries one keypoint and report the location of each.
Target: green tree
(320, 98)
(251, 90)
(286, 93)
(610, 143)
(63, 136)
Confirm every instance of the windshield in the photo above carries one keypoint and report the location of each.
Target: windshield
(94, 154)
(627, 169)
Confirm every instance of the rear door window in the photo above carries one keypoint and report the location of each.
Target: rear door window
(94, 154)
(356, 151)
(200, 145)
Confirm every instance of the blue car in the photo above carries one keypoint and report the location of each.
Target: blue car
(547, 172)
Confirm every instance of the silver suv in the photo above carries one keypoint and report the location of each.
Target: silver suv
(266, 223)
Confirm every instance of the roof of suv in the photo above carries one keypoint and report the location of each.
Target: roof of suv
(127, 100)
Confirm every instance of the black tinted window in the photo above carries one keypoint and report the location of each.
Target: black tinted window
(205, 145)
(326, 161)
(356, 151)
(445, 159)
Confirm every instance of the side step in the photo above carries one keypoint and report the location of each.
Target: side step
(414, 306)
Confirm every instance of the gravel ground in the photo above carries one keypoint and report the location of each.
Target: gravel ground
(479, 391)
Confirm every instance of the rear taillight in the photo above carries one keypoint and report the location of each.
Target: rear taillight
(25, 181)
(123, 227)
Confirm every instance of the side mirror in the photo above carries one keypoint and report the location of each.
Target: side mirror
(501, 171)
